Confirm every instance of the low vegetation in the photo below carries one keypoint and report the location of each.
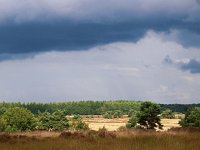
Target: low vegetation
(20, 119)
(192, 118)
(113, 114)
(126, 140)
(21, 129)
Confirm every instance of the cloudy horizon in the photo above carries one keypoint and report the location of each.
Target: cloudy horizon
(100, 50)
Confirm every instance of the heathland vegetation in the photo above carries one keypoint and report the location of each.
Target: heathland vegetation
(20, 121)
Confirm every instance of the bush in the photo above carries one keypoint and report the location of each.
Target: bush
(55, 121)
(132, 112)
(103, 132)
(122, 128)
(76, 123)
(113, 114)
(19, 119)
(192, 118)
(117, 114)
(108, 115)
(132, 122)
(168, 114)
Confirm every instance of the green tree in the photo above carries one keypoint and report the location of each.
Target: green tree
(108, 115)
(132, 112)
(117, 114)
(132, 122)
(54, 121)
(167, 114)
(148, 116)
(19, 119)
(76, 123)
(192, 118)
(44, 121)
(59, 121)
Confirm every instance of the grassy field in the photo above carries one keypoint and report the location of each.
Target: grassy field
(113, 124)
(124, 141)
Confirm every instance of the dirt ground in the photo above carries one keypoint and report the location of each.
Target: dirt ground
(113, 124)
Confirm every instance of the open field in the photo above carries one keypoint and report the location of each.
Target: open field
(126, 140)
(113, 124)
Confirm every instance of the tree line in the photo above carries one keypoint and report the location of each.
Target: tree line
(91, 107)
(80, 107)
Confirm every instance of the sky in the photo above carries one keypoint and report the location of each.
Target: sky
(72, 50)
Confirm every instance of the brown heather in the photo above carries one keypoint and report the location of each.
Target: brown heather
(121, 140)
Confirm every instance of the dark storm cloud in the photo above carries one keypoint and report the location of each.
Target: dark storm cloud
(193, 66)
(36, 26)
(39, 37)
(62, 35)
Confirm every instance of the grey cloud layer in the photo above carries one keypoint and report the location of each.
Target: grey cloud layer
(31, 10)
(115, 71)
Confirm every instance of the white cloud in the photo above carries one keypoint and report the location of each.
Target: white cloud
(114, 71)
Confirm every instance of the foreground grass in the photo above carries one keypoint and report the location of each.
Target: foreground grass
(139, 141)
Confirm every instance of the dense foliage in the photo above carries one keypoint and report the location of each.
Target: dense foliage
(132, 122)
(81, 107)
(76, 123)
(21, 119)
(52, 116)
(113, 114)
(52, 121)
(181, 108)
(18, 119)
(167, 114)
(147, 117)
(192, 118)
(91, 107)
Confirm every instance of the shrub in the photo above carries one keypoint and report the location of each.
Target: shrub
(168, 114)
(19, 119)
(117, 114)
(122, 128)
(76, 123)
(102, 132)
(55, 121)
(192, 118)
(108, 115)
(132, 122)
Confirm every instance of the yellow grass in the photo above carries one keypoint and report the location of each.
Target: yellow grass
(113, 124)
(138, 141)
